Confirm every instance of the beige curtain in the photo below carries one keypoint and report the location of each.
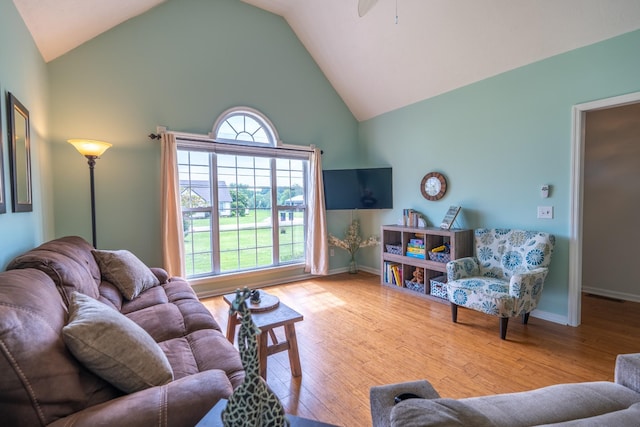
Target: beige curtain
(317, 245)
(171, 214)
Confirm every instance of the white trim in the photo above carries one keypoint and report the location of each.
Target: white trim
(197, 137)
(258, 115)
(574, 306)
(612, 294)
(550, 317)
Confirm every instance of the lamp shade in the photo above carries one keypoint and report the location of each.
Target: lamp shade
(90, 147)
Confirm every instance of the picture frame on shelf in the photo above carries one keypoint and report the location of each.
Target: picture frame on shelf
(450, 217)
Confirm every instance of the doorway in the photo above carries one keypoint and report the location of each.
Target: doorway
(579, 217)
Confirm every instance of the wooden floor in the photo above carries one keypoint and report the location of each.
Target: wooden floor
(357, 334)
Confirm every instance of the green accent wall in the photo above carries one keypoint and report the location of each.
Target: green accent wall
(179, 65)
(23, 73)
(497, 141)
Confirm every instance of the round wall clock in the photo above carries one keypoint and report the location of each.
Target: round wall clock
(433, 186)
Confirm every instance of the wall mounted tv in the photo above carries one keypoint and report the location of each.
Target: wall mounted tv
(358, 188)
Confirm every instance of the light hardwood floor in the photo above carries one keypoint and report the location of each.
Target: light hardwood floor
(357, 334)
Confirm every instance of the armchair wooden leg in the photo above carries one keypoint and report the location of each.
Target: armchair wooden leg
(504, 321)
(525, 318)
(454, 313)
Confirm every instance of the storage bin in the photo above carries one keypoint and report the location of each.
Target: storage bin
(439, 256)
(438, 287)
(414, 286)
(394, 249)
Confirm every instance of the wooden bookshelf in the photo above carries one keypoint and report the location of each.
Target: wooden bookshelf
(395, 242)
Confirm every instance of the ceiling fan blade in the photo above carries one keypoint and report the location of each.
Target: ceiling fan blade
(365, 6)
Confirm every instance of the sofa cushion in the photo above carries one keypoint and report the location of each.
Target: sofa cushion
(114, 347)
(40, 380)
(68, 262)
(126, 272)
(554, 404)
(436, 412)
(629, 417)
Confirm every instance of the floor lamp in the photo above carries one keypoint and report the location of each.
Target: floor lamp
(92, 150)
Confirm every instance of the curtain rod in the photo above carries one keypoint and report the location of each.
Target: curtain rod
(201, 138)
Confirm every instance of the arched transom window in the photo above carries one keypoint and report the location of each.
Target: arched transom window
(246, 125)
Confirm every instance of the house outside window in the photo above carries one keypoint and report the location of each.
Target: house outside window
(243, 198)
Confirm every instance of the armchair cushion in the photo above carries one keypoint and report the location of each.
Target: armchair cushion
(114, 347)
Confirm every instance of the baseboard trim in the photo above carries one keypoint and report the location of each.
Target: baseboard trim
(551, 317)
(611, 294)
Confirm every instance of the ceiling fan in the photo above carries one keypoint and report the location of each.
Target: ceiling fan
(365, 6)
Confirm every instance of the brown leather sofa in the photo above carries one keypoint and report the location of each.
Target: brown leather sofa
(42, 383)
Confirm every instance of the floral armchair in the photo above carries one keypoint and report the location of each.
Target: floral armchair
(506, 276)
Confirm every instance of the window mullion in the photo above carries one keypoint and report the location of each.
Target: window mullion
(275, 213)
(215, 213)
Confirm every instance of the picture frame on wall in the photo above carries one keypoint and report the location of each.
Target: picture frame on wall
(3, 200)
(19, 154)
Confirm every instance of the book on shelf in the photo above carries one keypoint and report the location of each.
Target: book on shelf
(392, 273)
(449, 217)
(414, 255)
(411, 218)
(415, 249)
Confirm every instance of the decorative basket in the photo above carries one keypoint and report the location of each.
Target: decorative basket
(394, 249)
(414, 286)
(439, 256)
(438, 287)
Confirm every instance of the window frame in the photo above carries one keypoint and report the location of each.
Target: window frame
(274, 151)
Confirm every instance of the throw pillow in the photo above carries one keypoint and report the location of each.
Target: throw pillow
(113, 347)
(122, 268)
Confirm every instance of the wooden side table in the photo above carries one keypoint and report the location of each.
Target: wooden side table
(267, 321)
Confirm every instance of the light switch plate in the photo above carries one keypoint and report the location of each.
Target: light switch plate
(545, 212)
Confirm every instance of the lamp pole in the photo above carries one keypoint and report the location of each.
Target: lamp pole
(92, 163)
(92, 150)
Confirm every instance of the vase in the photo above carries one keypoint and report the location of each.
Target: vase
(353, 266)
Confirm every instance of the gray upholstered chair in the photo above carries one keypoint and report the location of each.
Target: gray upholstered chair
(506, 276)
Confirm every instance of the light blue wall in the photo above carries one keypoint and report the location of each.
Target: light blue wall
(179, 65)
(184, 62)
(498, 141)
(23, 73)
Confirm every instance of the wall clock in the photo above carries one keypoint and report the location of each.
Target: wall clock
(433, 186)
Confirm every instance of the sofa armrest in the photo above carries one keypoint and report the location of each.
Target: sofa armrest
(463, 267)
(182, 402)
(382, 398)
(627, 372)
(522, 284)
(160, 273)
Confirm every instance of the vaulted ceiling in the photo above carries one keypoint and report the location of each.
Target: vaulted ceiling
(399, 53)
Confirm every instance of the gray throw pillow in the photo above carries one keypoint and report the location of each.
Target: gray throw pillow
(122, 268)
(113, 347)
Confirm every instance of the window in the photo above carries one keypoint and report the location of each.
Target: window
(243, 198)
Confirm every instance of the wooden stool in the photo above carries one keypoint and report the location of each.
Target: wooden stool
(267, 321)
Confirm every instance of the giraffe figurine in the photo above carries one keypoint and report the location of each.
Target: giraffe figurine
(253, 403)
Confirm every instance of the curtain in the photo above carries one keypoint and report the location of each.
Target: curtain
(171, 213)
(317, 259)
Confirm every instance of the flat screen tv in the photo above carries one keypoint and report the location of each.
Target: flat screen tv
(358, 188)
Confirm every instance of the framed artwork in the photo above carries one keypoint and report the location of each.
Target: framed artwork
(3, 200)
(449, 217)
(19, 155)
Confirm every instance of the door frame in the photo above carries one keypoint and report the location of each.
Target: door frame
(577, 196)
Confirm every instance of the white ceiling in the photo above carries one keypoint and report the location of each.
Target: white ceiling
(375, 63)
